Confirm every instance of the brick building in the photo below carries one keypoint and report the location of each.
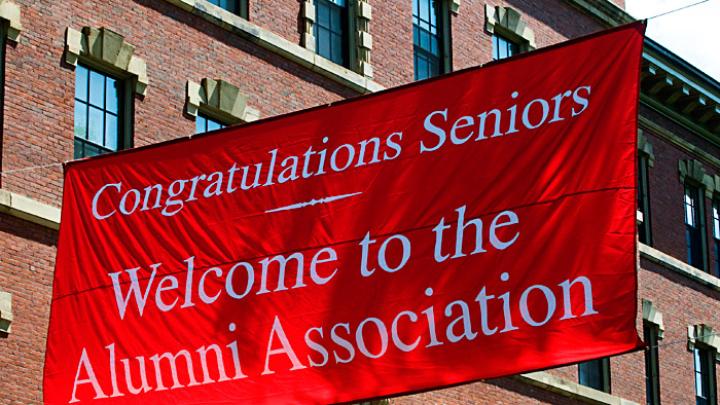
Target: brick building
(87, 77)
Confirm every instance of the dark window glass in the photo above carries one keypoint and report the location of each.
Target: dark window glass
(427, 40)
(716, 236)
(504, 48)
(595, 374)
(98, 113)
(204, 123)
(652, 365)
(704, 363)
(331, 30)
(694, 226)
(238, 7)
(643, 200)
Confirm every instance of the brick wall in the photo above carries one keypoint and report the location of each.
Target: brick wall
(27, 259)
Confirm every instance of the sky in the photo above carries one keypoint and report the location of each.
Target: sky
(692, 33)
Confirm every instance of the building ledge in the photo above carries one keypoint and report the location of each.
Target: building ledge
(28, 209)
(604, 10)
(281, 46)
(547, 381)
(678, 266)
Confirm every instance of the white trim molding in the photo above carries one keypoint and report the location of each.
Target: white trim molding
(455, 6)
(558, 385)
(705, 336)
(10, 12)
(219, 99)
(645, 147)
(108, 48)
(29, 209)
(651, 314)
(508, 21)
(6, 315)
(678, 266)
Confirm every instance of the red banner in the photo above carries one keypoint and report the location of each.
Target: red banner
(473, 226)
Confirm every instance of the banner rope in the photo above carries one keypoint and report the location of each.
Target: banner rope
(28, 168)
(676, 10)
(680, 340)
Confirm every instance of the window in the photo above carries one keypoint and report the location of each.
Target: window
(239, 7)
(203, 123)
(331, 30)
(694, 226)
(504, 48)
(595, 374)
(98, 113)
(3, 35)
(430, 33)
(704, 362)
(652, 365)
(716, 236)
(643, 199)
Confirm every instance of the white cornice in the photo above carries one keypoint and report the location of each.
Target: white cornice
(558, 385)
(29, 209)
(678, 266)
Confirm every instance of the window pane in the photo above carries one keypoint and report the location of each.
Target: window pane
(427, 44)
(336, 19)
(323, 14)
(424, 10)
(111, 132)
(652, 364)
(421, 70)
(323, 43)
(503, 47)
(331, 30)
(594, 374)
(81, 82)
(98, 121)
(212, 125)
(200, 124)
(434, 67)
(424, 40)
(95, 126)
(97, 89)
(336, 53)
(89, 149)
(80, 120)
(433, 15)
(689, 207)
(230, 5)
(78, 150)
(589, 374)
(643, 200)
(111, 95)
(205, 124)
(495, 49)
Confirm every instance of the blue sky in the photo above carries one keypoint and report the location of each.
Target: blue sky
(693, 33)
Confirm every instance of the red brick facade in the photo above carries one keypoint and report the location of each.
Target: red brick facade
(179, 45)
